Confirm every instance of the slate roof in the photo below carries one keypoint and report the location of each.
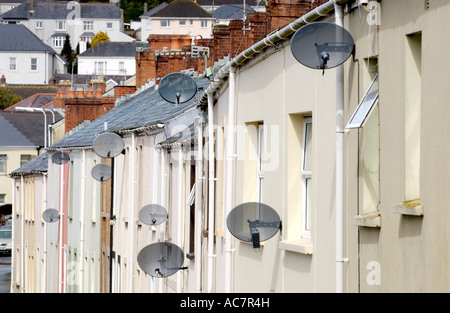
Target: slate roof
(143, 109)
(38, 100)
(24, 129)
(16, 37)
(38, 165)
(231, 12)
(155, 9)
(229, 2)
(113, 49)
(60, 10)
(83, 79)
(182, 8)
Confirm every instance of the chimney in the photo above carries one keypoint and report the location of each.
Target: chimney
(3, 81)
(83, 45)
(52, 81)
(145, 7)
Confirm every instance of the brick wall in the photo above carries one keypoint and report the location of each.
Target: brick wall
(228, 40)
(120, 91)
(79, 109)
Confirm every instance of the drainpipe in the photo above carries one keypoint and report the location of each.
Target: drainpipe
(180, 209)
(339, 161)
(163, 204)
(61, 215)
(212, 178)
(13, 218)
(22, 233)
(198, 208)
(82, 214)
(230, 156)
(45, 231)
(132, 204)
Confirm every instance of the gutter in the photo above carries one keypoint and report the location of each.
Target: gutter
(230, 68)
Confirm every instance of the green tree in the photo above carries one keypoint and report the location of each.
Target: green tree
(8, 98)
(99, 37)
(68, 54)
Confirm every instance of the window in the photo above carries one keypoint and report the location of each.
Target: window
(365, 106)
(149, 24)
(88, 25)
(58, 41)
(259, 172)
(306, 173)
(12, 64)
(122, 67)
(60, 25)
(204, 23)
(2, 198)
(39, 25)
(34, 64)
(87, 39)
(3, 159)
(25, 158)
(182, 22)
(191, 22)
(109, 25)
(165, 23)
(100, 68)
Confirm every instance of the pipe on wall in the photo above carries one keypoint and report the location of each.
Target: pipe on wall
(212, 178)
(198, 209)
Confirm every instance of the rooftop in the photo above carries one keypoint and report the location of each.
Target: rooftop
(15, 37)
(182, 8)
(113, 49)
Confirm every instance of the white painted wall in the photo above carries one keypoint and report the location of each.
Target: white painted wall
(86, 65)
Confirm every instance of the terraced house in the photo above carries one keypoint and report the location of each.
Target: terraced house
(353, 160)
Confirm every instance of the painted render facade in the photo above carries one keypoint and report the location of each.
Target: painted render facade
(395, 172)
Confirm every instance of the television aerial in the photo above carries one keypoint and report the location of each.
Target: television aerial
(108, 145)
(161, 259)
(253, 222)
(322, 45)
(153, 214)
(101, 172)
(177, 88)
(50, 215)
(60, 158)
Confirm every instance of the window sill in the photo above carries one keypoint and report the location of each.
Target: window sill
(368, 220)
(411, 207)
(303, 246)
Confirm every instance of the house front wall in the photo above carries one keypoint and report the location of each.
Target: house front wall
(407, 253)
(22, 72)
(113, 65)
(192, 30)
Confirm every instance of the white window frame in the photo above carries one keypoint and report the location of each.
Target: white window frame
(35, 65)
(87, 39)
(365, 106)
(259, 171)
(3, 163)
(191, 22)
(306, 179)
(60, 25)
(182, 22)
(39, 25)
(2, 198)
(109, 25)
(204, 23)
(88, 25)
(58, 41)
(165, 23)
(122, 67)
(149, 24)
(97, 72)
(13, 64)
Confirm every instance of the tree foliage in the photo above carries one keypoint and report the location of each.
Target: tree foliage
(133, 9)
(99, 37)
(8, 98)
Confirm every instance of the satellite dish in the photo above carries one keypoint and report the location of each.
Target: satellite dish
(60, 158)
(101, 172)
(153, 214)
(161, 259)
(253, 222)
(177, 88)
(322, 45)
(50, 215)
(108, 145)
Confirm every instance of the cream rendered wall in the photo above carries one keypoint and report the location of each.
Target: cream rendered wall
(275, 89)
(407, 253)
(176, 29)
(12, 164)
